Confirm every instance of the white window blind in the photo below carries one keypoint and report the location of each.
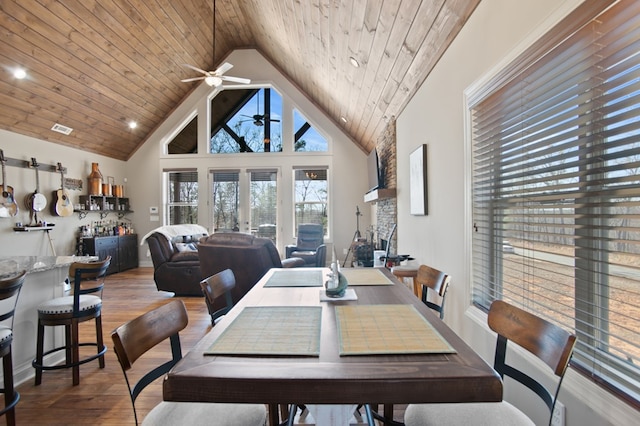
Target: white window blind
(556, 187)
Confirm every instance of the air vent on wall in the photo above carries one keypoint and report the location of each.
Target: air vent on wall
(62, 129)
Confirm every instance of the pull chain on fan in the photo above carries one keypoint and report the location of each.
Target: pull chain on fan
(215, 78)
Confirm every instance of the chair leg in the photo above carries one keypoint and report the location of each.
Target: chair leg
(99, 339)
(39, 352)
(75, 352)
(274, 415)
(9, 391)
(68, 342)
(293, 409)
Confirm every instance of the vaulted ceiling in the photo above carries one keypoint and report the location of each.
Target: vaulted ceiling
(96, 65)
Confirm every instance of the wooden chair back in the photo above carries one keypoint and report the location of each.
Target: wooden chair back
(216, 286)
(437, 281)
(9, 293)
(134, 338)
(545, 340)
(87, 277)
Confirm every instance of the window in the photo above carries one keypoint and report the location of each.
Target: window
(182, 197)
(186, 141)
(246, 200)
(556, 188)
(226, 200)
(306, 138)
(311, 196)
(246, 120)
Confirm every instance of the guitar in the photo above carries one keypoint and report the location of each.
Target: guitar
(62, 206)
(8, 205)
(35, 201)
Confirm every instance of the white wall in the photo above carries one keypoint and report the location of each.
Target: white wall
(496, 31)
(78, 165)
(347, 163)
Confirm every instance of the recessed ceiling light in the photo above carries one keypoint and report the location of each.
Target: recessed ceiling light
(133, 124)
(19, 73)
(354, 62)
(343, 119)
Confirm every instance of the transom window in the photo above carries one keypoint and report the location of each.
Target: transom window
(246, 120)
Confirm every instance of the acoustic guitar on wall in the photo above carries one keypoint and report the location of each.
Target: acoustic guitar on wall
(62, 206)
(8, 205)
(35, 201)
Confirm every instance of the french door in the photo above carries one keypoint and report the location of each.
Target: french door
(245, 200)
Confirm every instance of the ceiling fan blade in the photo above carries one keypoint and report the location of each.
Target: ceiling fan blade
(236, 79)
(196, 69)
(223, 68)
(187, 80)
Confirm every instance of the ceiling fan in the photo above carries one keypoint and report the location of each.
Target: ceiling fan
(215, 78)
(257, 118)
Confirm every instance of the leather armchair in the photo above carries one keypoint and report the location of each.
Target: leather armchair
(175, 271)
(249, 258)
(310, 245)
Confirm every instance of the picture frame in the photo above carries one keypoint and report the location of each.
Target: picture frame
(418, 181)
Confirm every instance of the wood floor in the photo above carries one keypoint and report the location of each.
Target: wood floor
(101, 398)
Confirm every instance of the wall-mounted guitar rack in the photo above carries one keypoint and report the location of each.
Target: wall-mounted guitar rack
(14, 162)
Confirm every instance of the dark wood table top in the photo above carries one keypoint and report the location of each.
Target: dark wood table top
(331, 378)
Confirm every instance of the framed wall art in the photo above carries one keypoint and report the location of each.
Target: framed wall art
(418, 180)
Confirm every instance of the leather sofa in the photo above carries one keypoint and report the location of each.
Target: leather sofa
(176, 263)
(249, 258)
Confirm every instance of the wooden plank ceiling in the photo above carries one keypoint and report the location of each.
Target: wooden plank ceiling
(95, 65)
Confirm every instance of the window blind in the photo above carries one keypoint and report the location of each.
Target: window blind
(556, 191)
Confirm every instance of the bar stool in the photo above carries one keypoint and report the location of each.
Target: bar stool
(69, 311)
(9, 293)
(408, 271)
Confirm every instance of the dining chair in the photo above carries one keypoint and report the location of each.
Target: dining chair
(428, 280)
(433, 280)
(215, 287)
(87, 281)
(9, 293)
(550, 343)
(143, 333)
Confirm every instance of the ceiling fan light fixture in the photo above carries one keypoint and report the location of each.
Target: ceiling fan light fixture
(213, 81)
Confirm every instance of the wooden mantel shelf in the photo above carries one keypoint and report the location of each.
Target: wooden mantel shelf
(379, 194)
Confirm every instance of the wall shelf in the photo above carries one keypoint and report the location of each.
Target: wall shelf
(379, 194)
(33, 228)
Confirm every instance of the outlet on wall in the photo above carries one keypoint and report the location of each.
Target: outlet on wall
(557, 417)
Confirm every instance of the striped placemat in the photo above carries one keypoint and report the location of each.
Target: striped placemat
(365, 276)
(292, 277)
(272, 330)
(387, 329)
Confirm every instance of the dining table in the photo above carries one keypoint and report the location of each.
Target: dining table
(287, 342)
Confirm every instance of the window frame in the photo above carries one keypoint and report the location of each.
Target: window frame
(474, 96)
(167, 188)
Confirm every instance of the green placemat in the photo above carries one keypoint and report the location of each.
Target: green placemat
(387, 329)
(365, 276)
(295, 278)
(272, 330)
